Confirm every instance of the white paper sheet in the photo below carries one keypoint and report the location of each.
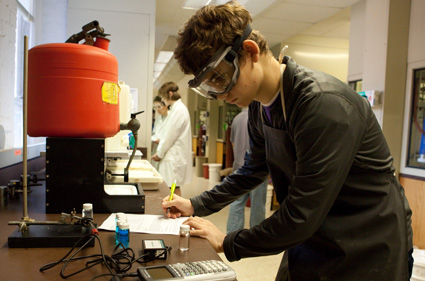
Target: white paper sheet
(154, 224)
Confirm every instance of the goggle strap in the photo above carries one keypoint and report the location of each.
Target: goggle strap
(231, 55)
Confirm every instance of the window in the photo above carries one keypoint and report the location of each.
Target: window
(416, 153)
(24, 27)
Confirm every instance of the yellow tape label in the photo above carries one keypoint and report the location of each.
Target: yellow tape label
(110, 92)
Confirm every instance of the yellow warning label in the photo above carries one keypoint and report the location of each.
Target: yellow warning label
(110, 92)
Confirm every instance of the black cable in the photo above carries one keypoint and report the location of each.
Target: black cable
(120, 261)
(53, 264)
(125, 257)
(115, 260)
(101, 275)
(94, 234)
(87, 267)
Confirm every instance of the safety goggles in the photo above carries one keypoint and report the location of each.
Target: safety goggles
(220, 73)
(159, 105)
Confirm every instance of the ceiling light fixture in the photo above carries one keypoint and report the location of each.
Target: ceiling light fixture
(195, 4)
(161, 61)
(321, 55)
(164, 56)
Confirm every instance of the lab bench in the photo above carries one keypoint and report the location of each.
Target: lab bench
(24, 263)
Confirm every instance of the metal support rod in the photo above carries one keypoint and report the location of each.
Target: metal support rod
(24, 121)
(41, 223)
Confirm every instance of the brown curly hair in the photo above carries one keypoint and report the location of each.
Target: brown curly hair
(209, 29)
(169, 87)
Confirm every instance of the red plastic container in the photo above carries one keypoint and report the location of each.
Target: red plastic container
(72, 91)
(206, 170)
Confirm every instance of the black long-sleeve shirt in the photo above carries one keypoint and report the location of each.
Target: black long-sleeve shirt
(341, 206)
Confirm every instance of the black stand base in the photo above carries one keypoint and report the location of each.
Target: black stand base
(42, 236)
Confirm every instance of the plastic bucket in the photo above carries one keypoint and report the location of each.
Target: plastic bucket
(418, 271)
(199, 161)
(214, 172)
(206, 173)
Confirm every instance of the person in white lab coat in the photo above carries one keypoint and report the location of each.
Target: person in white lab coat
(174, 151)
(158, 128)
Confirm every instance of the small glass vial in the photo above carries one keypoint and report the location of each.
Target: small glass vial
(88, 210)
(122, 218)
(123, 233)
(184, 237)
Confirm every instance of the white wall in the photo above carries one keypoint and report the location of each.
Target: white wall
(8, 10)
(363, 50)
(357, 26)
(132, 29)
(50, 21)
(184, 89)
(324, 54)
(378, 56)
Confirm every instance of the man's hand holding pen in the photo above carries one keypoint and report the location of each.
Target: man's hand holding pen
(178, 207)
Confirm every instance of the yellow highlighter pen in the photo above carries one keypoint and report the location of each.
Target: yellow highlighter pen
(173, 187)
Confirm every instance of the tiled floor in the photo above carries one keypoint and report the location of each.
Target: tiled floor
(250, 269)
